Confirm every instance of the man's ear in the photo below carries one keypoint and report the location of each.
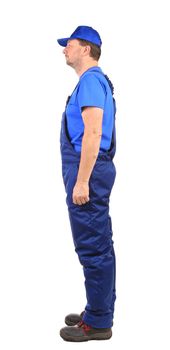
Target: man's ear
(87, 49)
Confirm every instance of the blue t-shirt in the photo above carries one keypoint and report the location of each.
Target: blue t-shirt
(92, 90)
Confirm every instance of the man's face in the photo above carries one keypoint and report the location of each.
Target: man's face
(73, 52)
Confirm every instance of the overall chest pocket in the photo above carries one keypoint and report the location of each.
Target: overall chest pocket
(75, 123)
(73, 109)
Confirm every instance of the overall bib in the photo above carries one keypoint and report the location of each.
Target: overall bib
(91, 228)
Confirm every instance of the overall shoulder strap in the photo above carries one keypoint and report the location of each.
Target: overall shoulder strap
(106, 77)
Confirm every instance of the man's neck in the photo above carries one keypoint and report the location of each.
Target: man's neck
(84, 67)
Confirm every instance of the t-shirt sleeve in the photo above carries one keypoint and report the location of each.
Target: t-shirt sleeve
(91, 93)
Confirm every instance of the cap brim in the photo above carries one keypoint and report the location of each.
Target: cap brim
(63, 42)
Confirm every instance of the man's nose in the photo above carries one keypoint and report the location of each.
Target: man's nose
(64, 50)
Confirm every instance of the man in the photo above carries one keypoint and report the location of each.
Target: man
(88, 146)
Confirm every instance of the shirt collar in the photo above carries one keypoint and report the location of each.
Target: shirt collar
(91, 69)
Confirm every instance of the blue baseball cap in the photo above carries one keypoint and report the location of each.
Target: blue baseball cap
(85, 33)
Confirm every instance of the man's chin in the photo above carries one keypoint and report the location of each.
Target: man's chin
(69, 63)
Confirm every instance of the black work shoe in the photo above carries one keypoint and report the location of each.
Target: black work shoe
(83, 332)
(73, 319)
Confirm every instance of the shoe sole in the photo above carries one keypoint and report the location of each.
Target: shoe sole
(99, 336)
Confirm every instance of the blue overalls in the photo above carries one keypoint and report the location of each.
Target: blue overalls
(91, 228)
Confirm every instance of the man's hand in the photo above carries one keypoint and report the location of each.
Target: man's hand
(81, 192)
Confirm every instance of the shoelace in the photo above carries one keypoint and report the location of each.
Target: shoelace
(84, 326)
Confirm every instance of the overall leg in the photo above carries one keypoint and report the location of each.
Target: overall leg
(92, 235)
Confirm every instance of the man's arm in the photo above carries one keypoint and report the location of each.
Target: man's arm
(92, 118)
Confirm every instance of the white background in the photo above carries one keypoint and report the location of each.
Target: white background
(41, 278)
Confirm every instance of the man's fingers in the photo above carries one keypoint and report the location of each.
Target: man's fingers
(83, 201)
(80, 200)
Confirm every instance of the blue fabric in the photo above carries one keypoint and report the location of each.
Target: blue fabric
(92, 90)
(85, 33)
(91, 228)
